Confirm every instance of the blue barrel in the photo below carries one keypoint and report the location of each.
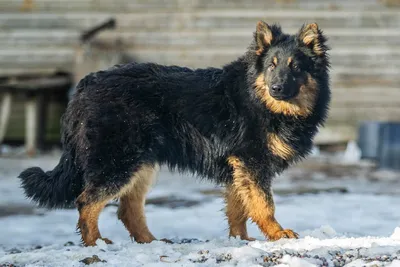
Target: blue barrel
(368, 139)
(389, 148)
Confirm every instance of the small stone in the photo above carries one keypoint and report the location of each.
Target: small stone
(37, 247)
(202, 259)
(14, 251)
(91, 260)
(223, 257)
(203, 252)
(336, 263)
(69, 243)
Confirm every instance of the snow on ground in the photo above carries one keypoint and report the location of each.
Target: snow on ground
(357, 228)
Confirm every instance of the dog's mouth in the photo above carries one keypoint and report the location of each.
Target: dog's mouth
(284, 97)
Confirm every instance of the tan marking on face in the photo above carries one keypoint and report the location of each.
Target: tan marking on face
(275, 60)
(289, 61)
(257, 204)
(300, 106)
(278, 147)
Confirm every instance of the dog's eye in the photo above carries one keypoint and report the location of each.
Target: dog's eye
(271, 67)
(295, 67)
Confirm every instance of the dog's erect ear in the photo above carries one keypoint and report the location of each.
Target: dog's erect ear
(311, 36)
(264, 36)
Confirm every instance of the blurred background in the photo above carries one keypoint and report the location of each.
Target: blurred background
(47, 46)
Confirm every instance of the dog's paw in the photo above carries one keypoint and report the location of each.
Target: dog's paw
(286, 233)
(166, 240)
(106, 240)
(248, 238)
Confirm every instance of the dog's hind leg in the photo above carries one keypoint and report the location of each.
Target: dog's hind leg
(132, 200)
(236, 214)
(89, 211)
(102, 185)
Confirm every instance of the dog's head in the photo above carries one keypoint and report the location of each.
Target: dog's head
(290, 74)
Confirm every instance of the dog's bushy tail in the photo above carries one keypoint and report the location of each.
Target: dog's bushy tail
(53, 189)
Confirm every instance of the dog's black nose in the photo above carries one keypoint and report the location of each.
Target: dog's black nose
(277, 88)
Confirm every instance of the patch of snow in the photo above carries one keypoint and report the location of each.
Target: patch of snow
(362, 233)
(395, 263)
(304, 252)
(295, 262)
(5, 149)
(396, 233)
(324, 231)
(315, 152)
(352, 154)
(356, 229)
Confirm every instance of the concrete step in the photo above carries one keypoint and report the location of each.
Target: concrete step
(196, 20)
(154, 5)
(351, 37)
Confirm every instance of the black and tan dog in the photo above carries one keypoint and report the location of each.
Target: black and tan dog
(239, 125)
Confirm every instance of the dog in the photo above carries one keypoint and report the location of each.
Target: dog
(239, 126)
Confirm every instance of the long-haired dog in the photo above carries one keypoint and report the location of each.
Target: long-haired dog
(239, 125)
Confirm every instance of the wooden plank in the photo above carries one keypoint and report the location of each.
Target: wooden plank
(355, 114)
(156, 5)
(335, 134)
(203, 19)
(31, 120)
(153, 39)
(37, 37)
(34, 84)
(22, 70)
(5, 114)
(237, 19)
(364, 96)
(366, 58)
(17, 127)
(35, 61)
(188, 47)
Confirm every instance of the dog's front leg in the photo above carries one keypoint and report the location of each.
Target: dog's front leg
(257, 201)
(236, 214)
